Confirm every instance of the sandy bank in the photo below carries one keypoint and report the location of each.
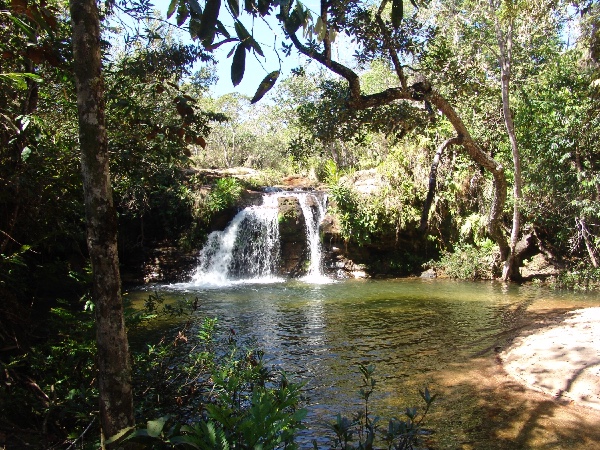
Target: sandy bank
(562, 360)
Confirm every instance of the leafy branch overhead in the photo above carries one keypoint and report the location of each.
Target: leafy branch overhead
(204, 25)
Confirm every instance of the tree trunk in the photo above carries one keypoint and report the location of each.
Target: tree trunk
(433, 180)
(114, 368)
(487, 162)
(580, 221)
(511, 264)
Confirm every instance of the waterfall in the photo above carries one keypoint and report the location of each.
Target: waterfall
(313, 220)
(248, 250)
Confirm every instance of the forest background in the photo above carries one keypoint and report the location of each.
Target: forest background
(445, 100)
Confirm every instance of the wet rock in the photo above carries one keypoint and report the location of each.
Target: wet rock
(430, 273)
(162, 264)
(292, 236)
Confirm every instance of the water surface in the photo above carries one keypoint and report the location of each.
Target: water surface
(416, 332)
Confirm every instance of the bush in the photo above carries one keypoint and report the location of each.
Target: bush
(363, 431)
(215, 394)
(469, 262)
(240, 404)
(581, 278)
(223, 195)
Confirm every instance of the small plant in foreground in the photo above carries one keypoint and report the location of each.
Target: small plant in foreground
(223, 397)
(363, 432)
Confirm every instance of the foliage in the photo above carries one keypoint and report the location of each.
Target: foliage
(561, 166)
(363, 431)
(581, 278)
(347, 133)
(390, 207)
(147, 90)
(50, 391)
(359, 220)
(224, 194)
(469, 262)
(253, 136)
(221, 388)
(243, 406)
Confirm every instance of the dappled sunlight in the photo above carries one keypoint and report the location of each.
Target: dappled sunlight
(563, 360)
(481, 403)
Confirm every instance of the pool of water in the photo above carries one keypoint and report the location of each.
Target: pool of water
(416, 332)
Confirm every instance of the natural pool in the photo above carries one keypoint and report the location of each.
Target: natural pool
(436, 333)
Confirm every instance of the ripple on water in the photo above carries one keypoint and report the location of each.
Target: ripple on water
(411, 330)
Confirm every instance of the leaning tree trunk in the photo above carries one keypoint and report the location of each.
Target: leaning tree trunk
(487, 162)
(114, 368)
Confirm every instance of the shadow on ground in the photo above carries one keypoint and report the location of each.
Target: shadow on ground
(481, 407)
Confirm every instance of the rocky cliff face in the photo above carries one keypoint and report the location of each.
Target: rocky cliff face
(292, 235)
(390, 253)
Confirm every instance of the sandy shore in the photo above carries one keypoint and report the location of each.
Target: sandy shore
(562, 360)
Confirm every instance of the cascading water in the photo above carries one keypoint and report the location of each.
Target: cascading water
(314, 212)
(249, 247)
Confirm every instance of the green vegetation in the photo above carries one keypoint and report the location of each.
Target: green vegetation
(423, 106)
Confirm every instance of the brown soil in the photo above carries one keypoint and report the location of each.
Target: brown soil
(540, 391)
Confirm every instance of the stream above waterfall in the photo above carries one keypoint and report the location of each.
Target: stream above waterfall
(436, 333)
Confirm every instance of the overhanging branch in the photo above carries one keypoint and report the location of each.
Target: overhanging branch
(433, 179)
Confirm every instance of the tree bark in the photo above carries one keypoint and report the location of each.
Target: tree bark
(433, 180)
(510, 269)
(487, 162)
(114, 367)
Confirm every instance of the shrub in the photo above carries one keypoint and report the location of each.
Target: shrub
(581, 278)
(363, 431)
(469, 262)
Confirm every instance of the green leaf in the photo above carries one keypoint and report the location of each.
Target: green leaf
(195, 7)
(155, 427)
(234, 6)
(397, 12)
(25, 153)
(265, 86)
(221, 28)
(41, 21)
(256, 47)
(195, 27)
(295, 19)
(172, 8)
(19, 79)
(250, 6)
(320, 29)
(263, 7)
(242, 33)
(209, 21)
(182, 14)
(29, 31)
(192, 441)
(119, 435)
(238, 65)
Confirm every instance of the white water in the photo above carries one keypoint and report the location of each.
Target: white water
(313, 220)
(248, 250)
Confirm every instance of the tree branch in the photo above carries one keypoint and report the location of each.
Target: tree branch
(388, 45)
(433, 179)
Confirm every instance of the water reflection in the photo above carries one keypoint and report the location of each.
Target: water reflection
(411, 330)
